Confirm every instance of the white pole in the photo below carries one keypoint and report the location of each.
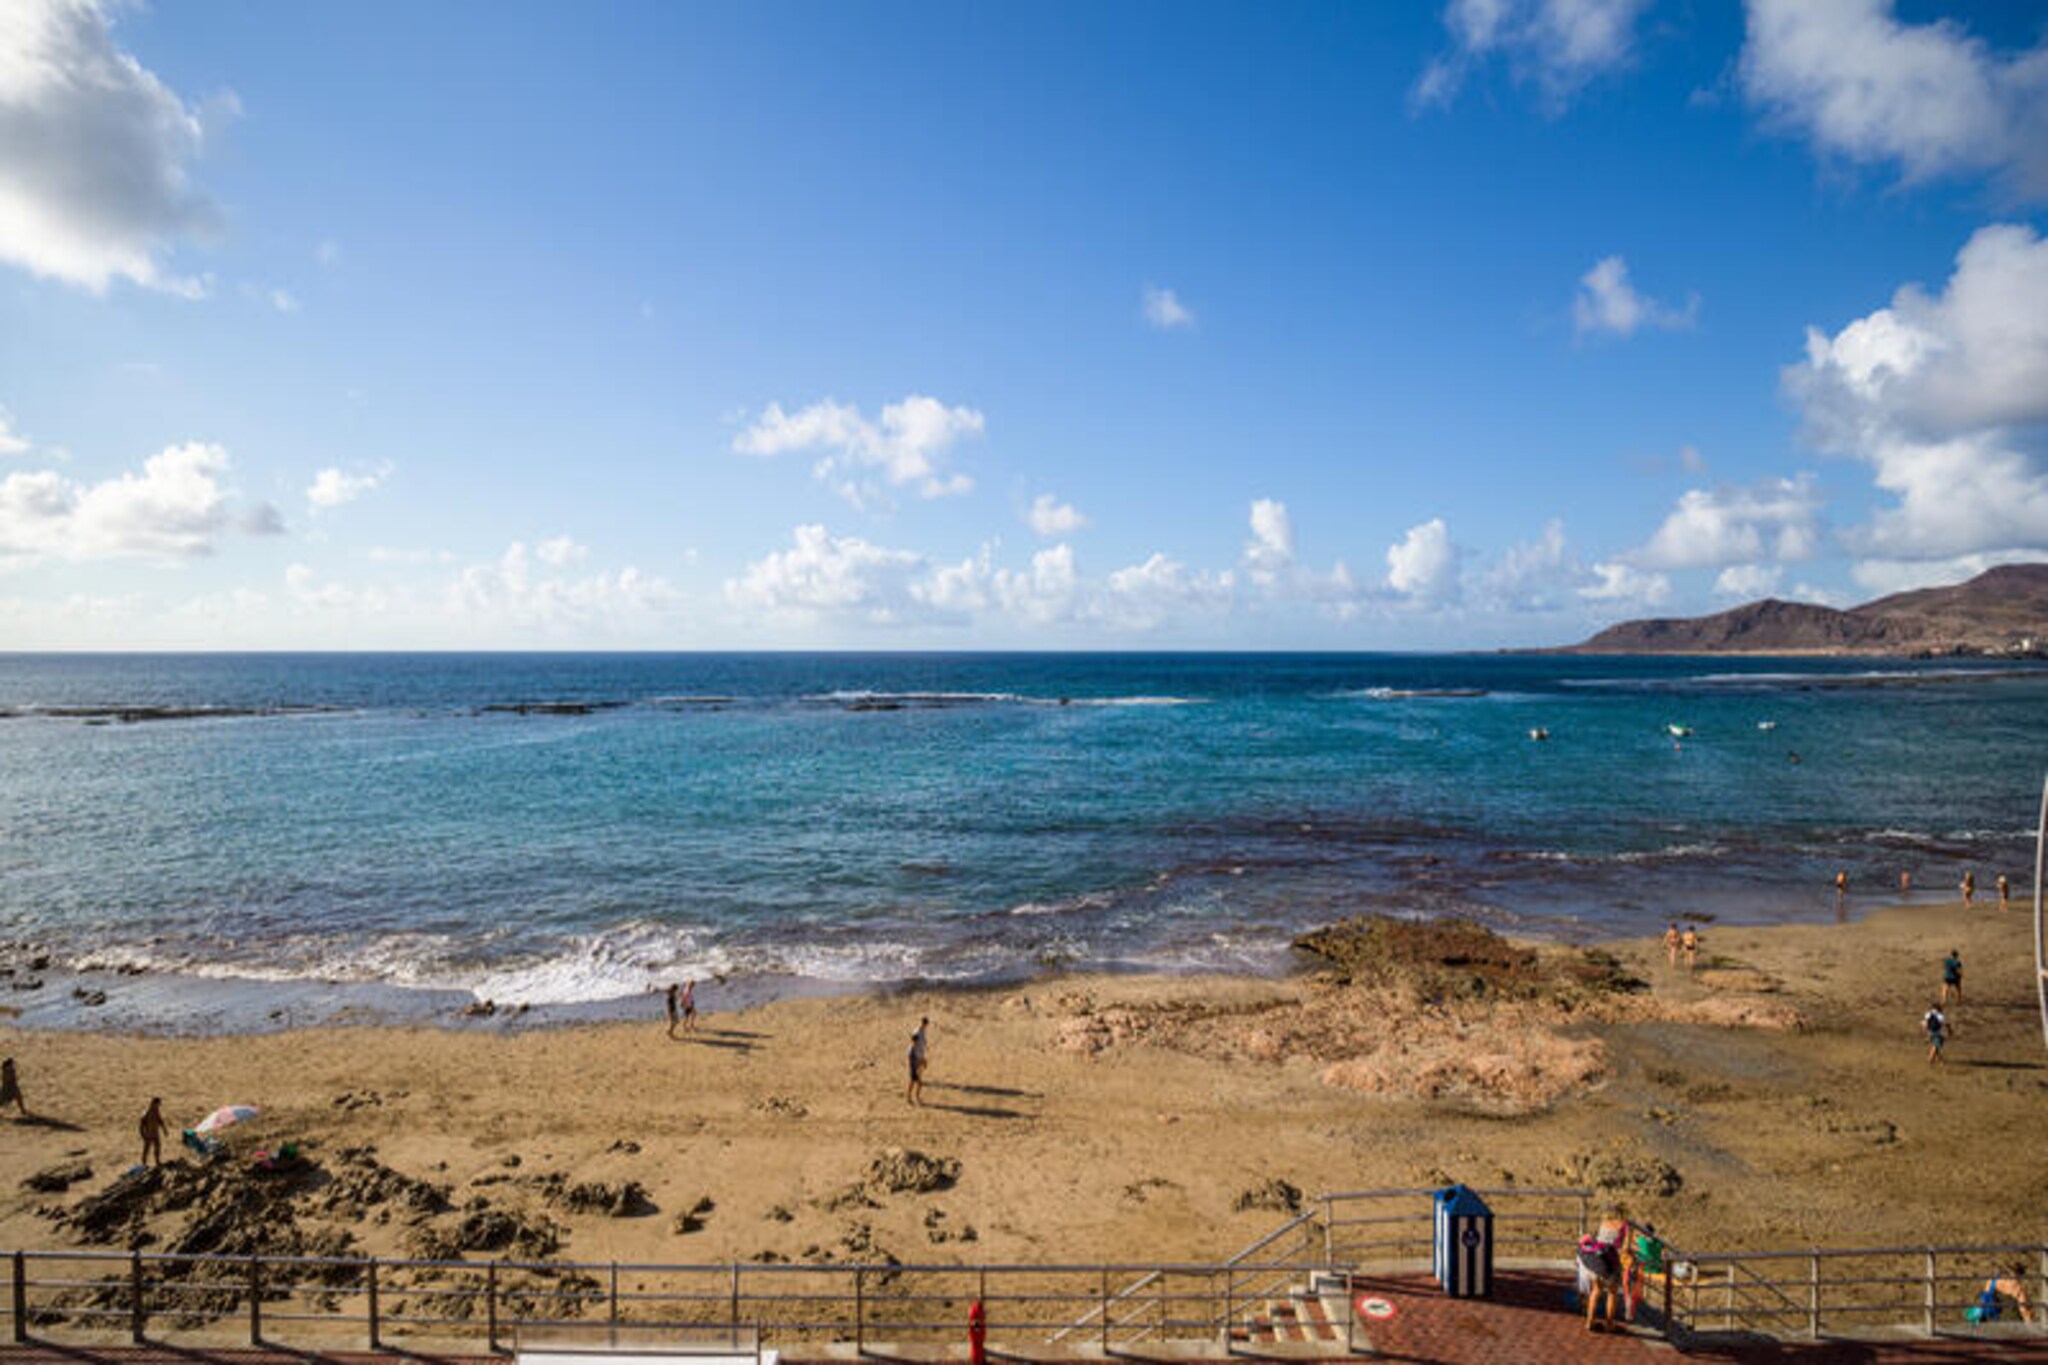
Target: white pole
(2041, 912)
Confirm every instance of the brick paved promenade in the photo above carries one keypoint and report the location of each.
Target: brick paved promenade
(1531, 1318)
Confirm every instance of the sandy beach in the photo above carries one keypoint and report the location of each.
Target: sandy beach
(1777, 1097)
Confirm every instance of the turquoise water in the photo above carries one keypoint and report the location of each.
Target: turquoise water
(798, 821)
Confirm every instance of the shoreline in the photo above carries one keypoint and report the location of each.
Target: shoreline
(1758, 1101)
(170, 1003)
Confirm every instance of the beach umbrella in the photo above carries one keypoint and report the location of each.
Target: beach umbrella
(227, 1116)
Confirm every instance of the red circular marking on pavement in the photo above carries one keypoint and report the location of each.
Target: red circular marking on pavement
(1371, 1307)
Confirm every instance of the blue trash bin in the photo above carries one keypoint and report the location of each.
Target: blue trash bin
(1463, 1259)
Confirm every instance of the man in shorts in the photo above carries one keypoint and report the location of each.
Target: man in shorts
(1952, 977)
(1936, 1024)
(914, 1092)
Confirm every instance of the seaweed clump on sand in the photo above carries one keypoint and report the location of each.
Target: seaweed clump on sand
(1447, 960)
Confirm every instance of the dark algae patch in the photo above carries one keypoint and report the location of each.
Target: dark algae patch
(1457, 959)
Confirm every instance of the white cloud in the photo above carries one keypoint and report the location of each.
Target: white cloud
(1270, 565)
(907, 446)
(1946, 398)
(1148, 595)
(561, 552)
(1881, 577)
(1931, 98)
(283, 300)
(333, 487)
(1533, 575)
(824, 574)
(12, 442)
(1625, 584)
(1559, 45)
(1777, 519)
(1423, 564)
(511, 598)
(176, 507)
(1607, 302)
(1164, 310)
(1745, 582)
(96, 153)
(1050, 517)
(1269, 554)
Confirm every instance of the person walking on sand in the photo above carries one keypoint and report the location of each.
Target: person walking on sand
(688, 1003)
(1689, 944)
(1671, 946)
(1936, 1024)
(914, 1092)
(2004, 892)
(10, 1087)
(674, 1009)
(924, 1045)
(153, 1130)
(1952, 977)
(1969, 888)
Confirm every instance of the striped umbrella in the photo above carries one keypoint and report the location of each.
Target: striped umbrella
(227, 1116)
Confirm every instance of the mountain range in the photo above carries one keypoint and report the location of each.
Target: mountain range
(2002, 612)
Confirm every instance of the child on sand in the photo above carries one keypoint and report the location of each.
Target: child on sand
(2008, 1283)
(10, 1087)
(1936, 1024)
(1952, 977)
(153, 1130)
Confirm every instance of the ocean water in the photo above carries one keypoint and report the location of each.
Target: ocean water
(389, 832)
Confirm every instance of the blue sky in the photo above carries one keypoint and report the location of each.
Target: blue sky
(976, 326)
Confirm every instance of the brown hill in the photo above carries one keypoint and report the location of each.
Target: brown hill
(2001, 611)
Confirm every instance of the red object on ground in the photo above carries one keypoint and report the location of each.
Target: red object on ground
(977, 1334)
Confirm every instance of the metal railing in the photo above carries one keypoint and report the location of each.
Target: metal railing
(394, 1303)
(1341, 1231)
(398, 1304)
(1839, 1290)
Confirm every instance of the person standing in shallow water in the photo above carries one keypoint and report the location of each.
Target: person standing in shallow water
(1969, 888)
(153, 1130)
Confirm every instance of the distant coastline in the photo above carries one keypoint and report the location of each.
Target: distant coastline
(2002, 613)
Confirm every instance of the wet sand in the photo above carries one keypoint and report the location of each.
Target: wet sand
(1778, 1097)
